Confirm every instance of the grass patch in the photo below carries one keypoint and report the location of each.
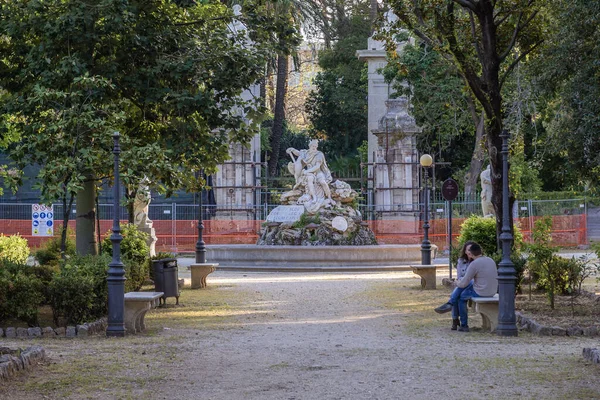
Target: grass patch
(206, 309)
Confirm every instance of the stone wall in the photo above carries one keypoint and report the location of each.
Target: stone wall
(84, 330)
(12, 362)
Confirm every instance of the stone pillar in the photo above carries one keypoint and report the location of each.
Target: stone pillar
(396, 186)
(392, 145)
(235, 180)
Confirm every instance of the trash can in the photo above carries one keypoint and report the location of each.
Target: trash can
(165, 278)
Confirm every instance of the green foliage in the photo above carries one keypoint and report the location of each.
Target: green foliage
(135, 255)
(439, 101)
(481, 230)
(49, 254)
(306, 219)
(337, 108)
(565, 78)
(14, 248)
(74, 72)
(79, 292)
(550, 271)
(21, 293)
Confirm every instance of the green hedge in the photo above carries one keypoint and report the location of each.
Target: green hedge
(49, 254)
(14, 248)
(79, 293)
(21, 293)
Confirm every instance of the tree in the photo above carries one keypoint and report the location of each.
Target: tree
(565, 77)
(439, 97)
(167, 76)
(288, 16)
(337, 108)
(485, 40)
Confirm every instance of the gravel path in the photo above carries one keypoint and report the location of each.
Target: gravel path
(333, 336)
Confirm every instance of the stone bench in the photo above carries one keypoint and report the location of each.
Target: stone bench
(137, 304)
(427, 274)
(200, 272)
(487, 307)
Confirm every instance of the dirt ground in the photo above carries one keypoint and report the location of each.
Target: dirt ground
(309, 336)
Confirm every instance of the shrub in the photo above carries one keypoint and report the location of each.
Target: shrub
(550, 272)
(135, 255)
(554, 277)
(14, 248)
(483, 231)
(49, 254)
(45, 273)
(79, 292)
(20, 293)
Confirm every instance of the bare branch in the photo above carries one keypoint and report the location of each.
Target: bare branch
(519, 58)
(502, 19)
(513, 39)
(474, 34)
(467, 4)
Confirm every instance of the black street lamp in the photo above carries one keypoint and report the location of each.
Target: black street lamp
(507, 322)
(116, 270)
(426, 162)
(200, 245)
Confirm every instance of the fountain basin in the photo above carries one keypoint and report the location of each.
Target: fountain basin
(331, 258)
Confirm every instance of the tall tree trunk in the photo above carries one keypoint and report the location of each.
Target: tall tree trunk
(270, 87)
(85, 223)
(373, 14)
(66, 216)
(279, 117)
(263, 87)
(478, 153)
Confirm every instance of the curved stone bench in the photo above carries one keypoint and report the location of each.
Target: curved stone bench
(200, 272)
(487, 307)
(427, 274)
(137, 304)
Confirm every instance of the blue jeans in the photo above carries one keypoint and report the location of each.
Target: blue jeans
(454, 301)
(458, 299)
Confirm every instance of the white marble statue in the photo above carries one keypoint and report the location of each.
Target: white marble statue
(141, 205)
(486, 193)
(312, 177)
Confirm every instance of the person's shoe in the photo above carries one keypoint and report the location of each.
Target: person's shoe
(455, 324)
(444, 308)
(463, 328)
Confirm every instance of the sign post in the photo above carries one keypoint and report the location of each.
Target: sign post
(42, 220)
(449, 192)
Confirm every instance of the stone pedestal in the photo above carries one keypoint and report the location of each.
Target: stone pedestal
(392, 144)
(396, 172)
(200, 272)
(152, 239)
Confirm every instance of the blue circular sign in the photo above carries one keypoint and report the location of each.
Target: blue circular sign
(49, 215)
(36, 224)
(43, 215)
(49, 223)
(36, 215)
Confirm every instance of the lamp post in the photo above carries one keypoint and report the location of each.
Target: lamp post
(506, 270)
(426, 162)
(116, 271)
(200, 245)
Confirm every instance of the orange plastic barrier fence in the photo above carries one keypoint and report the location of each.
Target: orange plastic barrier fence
(181, 235)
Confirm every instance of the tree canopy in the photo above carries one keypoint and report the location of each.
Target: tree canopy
(485, 40)
(167, 76)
